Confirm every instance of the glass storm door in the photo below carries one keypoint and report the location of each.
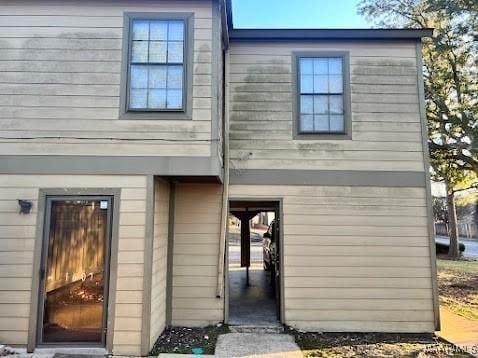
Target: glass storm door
(74, 270)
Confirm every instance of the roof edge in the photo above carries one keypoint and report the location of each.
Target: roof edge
(317, 34)
(228, 7)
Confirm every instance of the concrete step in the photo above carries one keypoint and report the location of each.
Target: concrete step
(257, 345)
(90, 351)
(259, 329)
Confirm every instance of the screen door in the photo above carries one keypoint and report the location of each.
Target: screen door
(74, 270)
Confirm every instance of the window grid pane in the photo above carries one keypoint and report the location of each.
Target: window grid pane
(321, 94)
(156, 65)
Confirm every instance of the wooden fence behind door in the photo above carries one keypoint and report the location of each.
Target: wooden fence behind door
(76, 242)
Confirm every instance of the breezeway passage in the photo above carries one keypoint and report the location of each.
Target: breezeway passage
(253, 265)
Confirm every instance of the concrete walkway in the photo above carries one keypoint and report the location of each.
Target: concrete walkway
(458, 330)
(257, 345)
(254, 304)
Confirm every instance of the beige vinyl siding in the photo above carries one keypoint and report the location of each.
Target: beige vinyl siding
(196, 246)
(385, 109)
(160, 252)
(17, 240)
(355, 258)
(60, 69)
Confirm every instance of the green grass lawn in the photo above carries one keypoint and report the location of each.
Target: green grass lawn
(461, 266)
(458, 286)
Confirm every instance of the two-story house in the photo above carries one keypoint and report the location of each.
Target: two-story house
(129, 128)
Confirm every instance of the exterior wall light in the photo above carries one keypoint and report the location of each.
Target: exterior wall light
(25, 206)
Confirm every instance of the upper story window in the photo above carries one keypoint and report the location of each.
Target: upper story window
(156, 74)
(157, 60)
(322, 94)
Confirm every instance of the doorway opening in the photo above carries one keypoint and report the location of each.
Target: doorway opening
(74, 270)
(254, 261)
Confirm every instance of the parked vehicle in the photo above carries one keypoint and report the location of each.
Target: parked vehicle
(269, 246)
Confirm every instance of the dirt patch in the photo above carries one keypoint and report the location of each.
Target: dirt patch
(373, 345)
(183, 340)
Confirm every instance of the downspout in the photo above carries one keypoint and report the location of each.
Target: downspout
(225, 192)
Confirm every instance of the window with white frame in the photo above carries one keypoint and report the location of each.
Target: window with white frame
(156, 65)
(321, 95)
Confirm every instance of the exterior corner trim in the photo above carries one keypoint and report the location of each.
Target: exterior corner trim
(170, 254)
(426, 161)
(148, 265)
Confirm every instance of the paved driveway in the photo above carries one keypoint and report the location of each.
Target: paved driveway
(471, 250)
(471, 247)
(235, 254)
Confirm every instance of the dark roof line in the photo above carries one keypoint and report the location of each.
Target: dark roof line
(320, 34)
(228, 6)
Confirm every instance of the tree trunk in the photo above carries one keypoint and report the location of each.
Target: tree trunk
(454, 251)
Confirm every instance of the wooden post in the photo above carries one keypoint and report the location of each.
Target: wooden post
(245, 217)
(245, 243)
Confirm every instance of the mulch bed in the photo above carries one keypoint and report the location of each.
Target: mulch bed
(183, 339)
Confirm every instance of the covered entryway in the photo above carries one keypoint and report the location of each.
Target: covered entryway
(254, 261)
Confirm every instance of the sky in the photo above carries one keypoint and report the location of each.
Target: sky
(297, 14)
